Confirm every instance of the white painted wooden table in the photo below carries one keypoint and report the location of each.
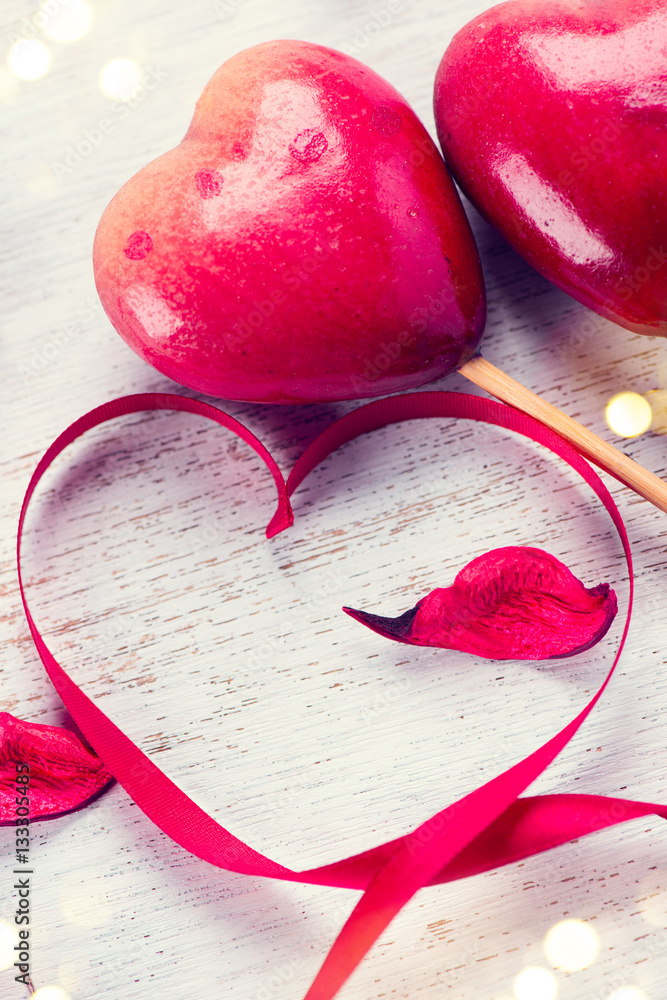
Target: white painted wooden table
(227, 657)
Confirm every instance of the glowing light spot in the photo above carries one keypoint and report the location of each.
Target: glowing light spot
(29, 60)
(535, 983)
(657, 400)
(68, 22)
(652, 898)
(120, 78)
(628, 993)
(50, 993)
(628, 414)
(572, 945)
(8, 939)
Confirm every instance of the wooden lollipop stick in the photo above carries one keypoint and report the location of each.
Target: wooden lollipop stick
(506, 389)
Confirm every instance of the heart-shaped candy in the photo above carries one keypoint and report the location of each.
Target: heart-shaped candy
(553, 118)
(303, 242)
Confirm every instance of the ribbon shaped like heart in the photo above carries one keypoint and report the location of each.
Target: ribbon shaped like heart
(489, 827)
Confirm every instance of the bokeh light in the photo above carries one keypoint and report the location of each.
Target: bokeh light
(29, 59)
(535, 983)
(8, 940)
(652, 898)
(120, 78)
(628, 993)
(628, 414)
(572, 945)
(68, 22)
(50, 993)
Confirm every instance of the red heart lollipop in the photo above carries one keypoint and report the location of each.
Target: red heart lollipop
(303, 242)
(553, 118)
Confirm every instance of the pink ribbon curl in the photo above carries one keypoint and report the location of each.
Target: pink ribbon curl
(489, 827)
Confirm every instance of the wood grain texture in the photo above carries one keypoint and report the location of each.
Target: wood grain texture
(227, 658)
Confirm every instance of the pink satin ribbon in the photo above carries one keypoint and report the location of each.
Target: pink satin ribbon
(489, 827)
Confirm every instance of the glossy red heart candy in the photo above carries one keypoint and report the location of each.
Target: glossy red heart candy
(303, 242)
(553, 118)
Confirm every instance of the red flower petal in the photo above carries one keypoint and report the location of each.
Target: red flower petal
(513, 603)
(62, 774)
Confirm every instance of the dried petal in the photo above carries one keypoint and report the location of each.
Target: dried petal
(62, 774)
(513, 603)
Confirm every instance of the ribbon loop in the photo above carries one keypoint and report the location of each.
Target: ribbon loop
(488, 827)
